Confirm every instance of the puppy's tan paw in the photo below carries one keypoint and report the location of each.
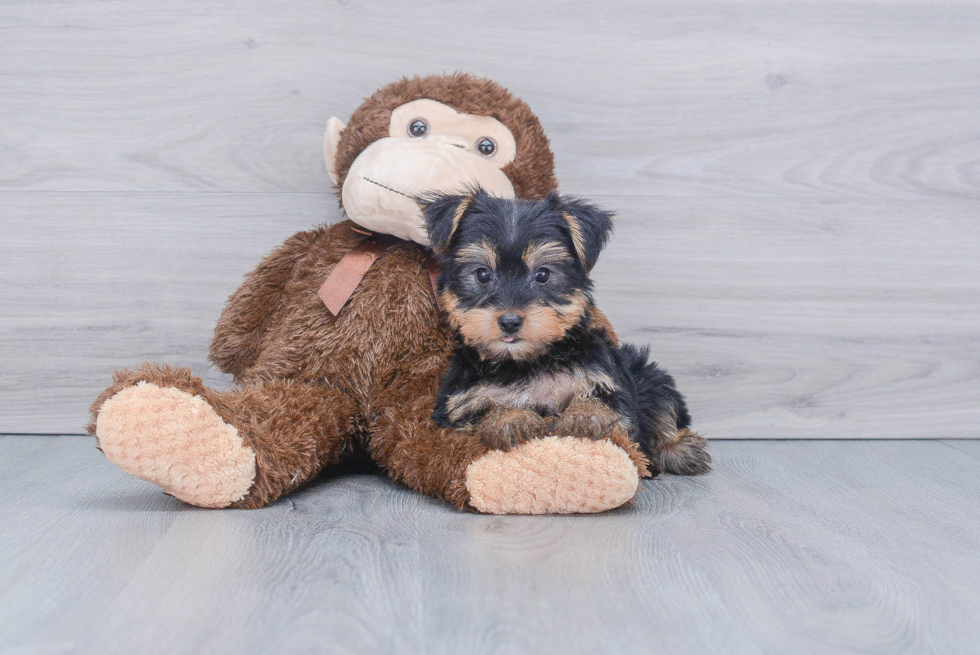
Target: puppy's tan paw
(502, 429)
(585, 419)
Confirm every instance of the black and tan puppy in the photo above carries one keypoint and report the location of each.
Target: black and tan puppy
(529, 361)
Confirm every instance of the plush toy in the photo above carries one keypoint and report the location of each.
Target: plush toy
(337, 342)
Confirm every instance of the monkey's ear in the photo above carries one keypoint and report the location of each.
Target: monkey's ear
(443, 214)
(588, 225)
(331, 139)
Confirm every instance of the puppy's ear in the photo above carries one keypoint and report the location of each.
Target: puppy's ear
(588, 225)
(443, 214)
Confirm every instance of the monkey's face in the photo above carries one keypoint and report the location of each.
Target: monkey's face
(430, 148)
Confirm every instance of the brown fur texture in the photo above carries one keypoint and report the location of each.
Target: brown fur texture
(587, 418)
(544, 325)
(598, 321)
(533, 170)
(314, 386)
(685, 454)
(502, 428)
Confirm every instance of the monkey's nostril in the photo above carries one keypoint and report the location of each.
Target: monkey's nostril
(510, 323)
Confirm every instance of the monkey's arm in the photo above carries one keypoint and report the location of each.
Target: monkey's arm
(239, 332)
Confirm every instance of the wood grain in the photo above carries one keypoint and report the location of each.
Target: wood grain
(831, 326)
(797, 185)
(969, 446)
(834, 323)
(793, 99)
(139, 277)
(790, 546)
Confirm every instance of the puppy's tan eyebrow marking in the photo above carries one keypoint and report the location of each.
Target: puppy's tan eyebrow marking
(479, 253)
(541, 253)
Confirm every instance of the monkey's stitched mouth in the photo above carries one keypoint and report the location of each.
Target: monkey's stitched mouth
(387, 188)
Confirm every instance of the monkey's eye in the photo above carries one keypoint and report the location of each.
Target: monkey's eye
(418, 128)
(483, 275)
(486, 147)
(542, 275)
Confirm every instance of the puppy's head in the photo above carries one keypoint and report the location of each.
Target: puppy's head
(515, 273)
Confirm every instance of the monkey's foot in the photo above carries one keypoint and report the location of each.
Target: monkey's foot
(176, 440)
(553, 475)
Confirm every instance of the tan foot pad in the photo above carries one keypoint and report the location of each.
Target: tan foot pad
(553, 475)
(176, 440)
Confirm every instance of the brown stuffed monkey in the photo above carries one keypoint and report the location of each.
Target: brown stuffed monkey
(337, 343)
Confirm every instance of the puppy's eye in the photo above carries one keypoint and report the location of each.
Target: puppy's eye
(486, 147)
(418, 128)
(483, 275)
(542, 275)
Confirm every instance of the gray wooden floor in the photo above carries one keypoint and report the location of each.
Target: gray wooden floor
(787, 547)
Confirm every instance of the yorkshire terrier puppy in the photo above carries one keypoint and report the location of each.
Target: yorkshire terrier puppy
(531, 359)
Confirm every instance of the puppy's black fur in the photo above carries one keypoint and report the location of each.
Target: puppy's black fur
(529, 359)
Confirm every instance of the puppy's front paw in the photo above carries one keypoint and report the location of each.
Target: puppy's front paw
(502, 429)
(587, 419)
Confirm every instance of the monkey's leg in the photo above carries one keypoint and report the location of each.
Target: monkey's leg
(414, 450)
(243, 448)
(539, 476)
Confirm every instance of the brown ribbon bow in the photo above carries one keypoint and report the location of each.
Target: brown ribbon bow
(350, 270)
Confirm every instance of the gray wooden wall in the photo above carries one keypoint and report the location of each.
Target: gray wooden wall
(798, 185)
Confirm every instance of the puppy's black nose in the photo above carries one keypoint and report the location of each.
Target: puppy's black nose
(510, 323)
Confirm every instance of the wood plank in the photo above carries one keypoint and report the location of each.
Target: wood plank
(808, 267)
(793, 99)
(969, 446)
(828, 324)
(95, 282)
(787, 546)
(805, 319)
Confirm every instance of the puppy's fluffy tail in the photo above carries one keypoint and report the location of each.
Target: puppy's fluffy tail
(664, 433)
